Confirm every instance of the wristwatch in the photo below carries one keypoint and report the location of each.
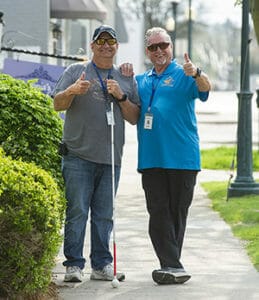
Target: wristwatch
(123, 98)
(198, 73)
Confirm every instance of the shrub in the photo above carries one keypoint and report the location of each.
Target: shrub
(30, 128)
(31, 213)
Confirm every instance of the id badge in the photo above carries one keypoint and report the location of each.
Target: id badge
(110, 118)
(148, 121)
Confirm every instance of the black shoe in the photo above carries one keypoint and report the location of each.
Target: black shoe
(170, 276)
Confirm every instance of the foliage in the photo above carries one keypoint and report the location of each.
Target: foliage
(153, 12)
(30, 128)
(222, 157)
(241, 213)
(222, 52)
(31, 213)
(214, 55)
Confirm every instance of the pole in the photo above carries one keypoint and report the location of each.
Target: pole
(244, 183)
(190, 29)
(257, 102)
(1, 28)
(174, 7)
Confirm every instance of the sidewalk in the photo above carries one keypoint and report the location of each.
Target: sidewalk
(220, 267)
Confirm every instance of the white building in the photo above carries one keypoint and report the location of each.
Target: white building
(61, 27)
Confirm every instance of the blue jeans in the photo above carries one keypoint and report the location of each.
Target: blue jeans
(88, 185)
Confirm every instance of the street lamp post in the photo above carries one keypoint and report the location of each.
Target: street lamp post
(1, 28)
(190, 17)
(170, 27)
(57, 34)
(257, 102)
(244, 183)
(171, 24)
(174, 8)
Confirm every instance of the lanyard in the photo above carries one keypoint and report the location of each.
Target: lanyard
(155, 82)
(103, 83)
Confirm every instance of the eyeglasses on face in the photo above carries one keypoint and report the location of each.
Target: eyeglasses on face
(102, 41)
(162, 46)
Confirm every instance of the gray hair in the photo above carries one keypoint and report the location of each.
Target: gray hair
(155, 31)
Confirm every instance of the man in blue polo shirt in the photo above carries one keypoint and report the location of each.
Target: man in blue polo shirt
(168, 152)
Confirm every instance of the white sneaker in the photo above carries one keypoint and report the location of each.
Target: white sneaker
(73, 274)
(106, 274)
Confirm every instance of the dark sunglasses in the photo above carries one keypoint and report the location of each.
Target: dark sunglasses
(110, 42)
(162, 46)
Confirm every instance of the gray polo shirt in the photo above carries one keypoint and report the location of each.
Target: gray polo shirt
(86, 131)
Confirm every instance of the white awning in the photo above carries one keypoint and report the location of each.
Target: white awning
(78, 9)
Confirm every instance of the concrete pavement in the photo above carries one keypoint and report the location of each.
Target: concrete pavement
(218, 263)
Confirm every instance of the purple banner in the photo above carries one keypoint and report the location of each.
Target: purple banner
(47, 75)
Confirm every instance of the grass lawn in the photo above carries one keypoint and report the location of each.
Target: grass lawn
(222, 157)
(241, 213)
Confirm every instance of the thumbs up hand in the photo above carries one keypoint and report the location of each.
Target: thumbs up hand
(189, 68)
(81, 86)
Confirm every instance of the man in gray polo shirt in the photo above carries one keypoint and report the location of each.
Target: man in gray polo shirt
(85, 91)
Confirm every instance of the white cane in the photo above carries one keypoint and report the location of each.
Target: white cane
(115, 282)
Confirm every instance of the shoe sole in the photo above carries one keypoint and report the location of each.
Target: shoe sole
(169, 278)
(120, 277)
(72, 279)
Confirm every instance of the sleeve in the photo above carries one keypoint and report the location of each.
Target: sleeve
(135, 96)
(203, 96)
(69, 76)
(65, 80)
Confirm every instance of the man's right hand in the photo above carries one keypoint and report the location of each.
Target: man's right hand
(81, 86)
(63, 99)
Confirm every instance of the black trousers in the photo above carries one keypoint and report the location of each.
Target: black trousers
(169, 194)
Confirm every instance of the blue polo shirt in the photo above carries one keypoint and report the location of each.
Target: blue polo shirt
(173, 141)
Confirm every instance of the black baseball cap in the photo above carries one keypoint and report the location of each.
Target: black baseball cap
(104, 28)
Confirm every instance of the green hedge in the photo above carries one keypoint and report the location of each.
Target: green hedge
(31, 213)
(30, 128)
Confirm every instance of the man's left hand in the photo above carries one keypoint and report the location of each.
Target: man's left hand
(114, 89)
(189, 68)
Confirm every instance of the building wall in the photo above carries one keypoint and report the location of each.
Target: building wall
(29, 27)
(26, 24)
(111, 7)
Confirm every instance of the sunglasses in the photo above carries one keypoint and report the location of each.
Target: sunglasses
(162, 46)
(110, 42)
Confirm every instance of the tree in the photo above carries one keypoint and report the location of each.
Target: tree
(153, 12)
(215, 48)
(254, 10)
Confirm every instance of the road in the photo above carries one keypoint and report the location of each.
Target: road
(217, 120)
